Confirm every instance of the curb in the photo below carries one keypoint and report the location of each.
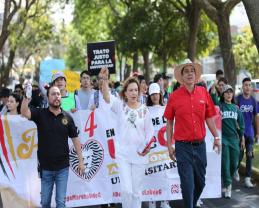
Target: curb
(255, 174)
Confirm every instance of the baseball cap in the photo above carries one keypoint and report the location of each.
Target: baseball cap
(226, 88)
(154, 88)
(57, 75)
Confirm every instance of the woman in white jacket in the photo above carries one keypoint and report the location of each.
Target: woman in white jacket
(135, 130)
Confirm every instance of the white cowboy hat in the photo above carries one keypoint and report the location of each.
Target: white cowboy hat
(178, 70)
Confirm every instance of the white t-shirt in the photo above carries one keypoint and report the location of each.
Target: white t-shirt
(157, 114)
(135, 130)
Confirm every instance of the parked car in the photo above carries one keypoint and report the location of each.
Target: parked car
(255, 85)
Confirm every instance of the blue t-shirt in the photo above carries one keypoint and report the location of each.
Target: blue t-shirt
(249, 107)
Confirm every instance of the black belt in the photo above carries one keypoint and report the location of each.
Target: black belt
(194, 142)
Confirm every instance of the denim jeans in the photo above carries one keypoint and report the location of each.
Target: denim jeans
(249, 142)
(191, 165)
(48, 179)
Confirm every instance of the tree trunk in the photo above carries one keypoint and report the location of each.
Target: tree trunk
(4, 79)
(3, 38)
(127, 71)
(120, 62)
(145, 55)
(252, 10)
(226, 47)
(135, 62)
(164, 62)
(193, 18)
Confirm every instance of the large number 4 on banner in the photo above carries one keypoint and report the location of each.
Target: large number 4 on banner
(92, 126)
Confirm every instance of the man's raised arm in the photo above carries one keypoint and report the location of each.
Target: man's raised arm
(25, 110)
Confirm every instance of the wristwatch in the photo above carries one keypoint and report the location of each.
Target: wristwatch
(217, 138)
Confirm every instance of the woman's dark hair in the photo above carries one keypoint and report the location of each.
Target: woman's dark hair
(223, 79)
(125, 87)
(150, 103)
(222, 98)
(18, 99)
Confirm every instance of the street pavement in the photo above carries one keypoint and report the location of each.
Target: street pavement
(242, 197)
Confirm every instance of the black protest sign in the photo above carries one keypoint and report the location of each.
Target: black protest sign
(101, 54)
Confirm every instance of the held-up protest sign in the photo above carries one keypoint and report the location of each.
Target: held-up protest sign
(101, 54)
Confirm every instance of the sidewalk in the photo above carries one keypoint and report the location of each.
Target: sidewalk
(242, 197)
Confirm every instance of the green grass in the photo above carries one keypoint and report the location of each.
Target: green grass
(256, 156)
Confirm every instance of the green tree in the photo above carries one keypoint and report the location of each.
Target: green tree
(15, 34)
(246, 59)
(219, 12)
(252, 10)
(75, 56)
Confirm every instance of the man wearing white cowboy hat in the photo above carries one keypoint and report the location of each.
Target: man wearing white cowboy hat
(190, 106)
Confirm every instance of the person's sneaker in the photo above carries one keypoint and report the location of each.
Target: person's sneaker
(152, 204)
(228, 192)
(248, 183)
(165, 204)
(236, 176)
(199, 203)
(223, 191)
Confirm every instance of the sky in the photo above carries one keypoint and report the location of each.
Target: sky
(239, 16)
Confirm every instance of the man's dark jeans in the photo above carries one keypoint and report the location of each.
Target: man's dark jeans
(249, 142)
(191, 164)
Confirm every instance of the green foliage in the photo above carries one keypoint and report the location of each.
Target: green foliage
(144, 25)
(245, 52)
(31, 31)
(75, 56)
(207, 36)
(91, 19)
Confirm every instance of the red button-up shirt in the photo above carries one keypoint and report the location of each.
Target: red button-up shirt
(189, 111)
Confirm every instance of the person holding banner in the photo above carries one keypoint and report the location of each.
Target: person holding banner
(190, 106)
(14, 104)
(156, 107)
(54, 126)
(135, 132)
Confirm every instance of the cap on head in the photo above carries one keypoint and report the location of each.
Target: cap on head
(57, 75)
(226, 88)
(153, 88)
